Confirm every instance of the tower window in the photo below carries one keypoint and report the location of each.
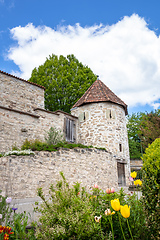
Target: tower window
(120, 147)
(110, 114)
(84, 116)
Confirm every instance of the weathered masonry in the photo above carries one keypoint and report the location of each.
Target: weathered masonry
(97, 119)
(22, 113)
(20, 176)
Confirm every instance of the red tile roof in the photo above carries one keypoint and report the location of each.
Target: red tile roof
(99, 92)
(22, 79)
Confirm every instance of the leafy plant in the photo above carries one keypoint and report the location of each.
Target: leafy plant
(37, 145)
(151, 187)
(54, 136)
(73, 213)
(19, 226)
(5, 210)
(143, 129)
(66, 215)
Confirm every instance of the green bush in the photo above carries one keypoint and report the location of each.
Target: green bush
(19, 227)
(151, 187)
(37, 145)
(5, 210)
(54, 136)
(69, 213)
(16, 221)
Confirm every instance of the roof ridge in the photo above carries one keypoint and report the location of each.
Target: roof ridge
(8, 74)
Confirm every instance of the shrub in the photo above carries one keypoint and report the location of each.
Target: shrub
(73, 213)
(5, 210)
(151, 187)
(37, 145)
(19, 226)
(54, 136)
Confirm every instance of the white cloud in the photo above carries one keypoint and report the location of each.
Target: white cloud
(125, 55)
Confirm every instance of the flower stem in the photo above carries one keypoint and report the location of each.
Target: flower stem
(129, 229)
(111, 223)
(121, 226)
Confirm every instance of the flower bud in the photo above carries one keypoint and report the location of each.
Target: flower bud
(108, 190)
(112, 190)
(108, 212)
(8, 200)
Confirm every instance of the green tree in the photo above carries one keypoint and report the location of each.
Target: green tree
(150, 127)
(133, 126)
(143, 129)
(65, 80)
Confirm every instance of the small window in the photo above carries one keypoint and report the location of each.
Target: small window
(110, 114)
(69, 130)
(84, 116)
(121, 174)
(120, 147)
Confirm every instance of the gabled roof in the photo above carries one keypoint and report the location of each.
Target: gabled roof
(99, 92)
(22, 79)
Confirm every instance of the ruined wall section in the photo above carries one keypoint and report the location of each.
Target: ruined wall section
(20, 176)
(20, 94)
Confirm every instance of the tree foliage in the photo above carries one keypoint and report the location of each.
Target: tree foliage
(133, 126)
(65, 80)
(150, 128)
(151, 187)
(143, 129)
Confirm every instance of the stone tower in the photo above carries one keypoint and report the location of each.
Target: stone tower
(101, 120)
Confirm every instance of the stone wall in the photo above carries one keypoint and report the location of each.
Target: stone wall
(20, 176)
(20, 94)
(136, 164)
(22, 113)
(17, 126)
(104, 126)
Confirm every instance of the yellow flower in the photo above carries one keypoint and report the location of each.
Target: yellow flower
(115, 204)
(92, 197)
(138, 182)
(133, 174)
(97, 219)
(125, 211)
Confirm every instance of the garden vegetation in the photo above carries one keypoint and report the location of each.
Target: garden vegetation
(72, 212)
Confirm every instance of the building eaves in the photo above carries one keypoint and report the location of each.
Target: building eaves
(44, 110)
(60, 111)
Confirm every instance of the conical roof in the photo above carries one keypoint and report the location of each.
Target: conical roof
(99, 92)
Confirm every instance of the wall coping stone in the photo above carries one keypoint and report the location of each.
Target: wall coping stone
(22, 80)
(18, 111)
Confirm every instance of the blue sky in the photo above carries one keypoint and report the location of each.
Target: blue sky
(118, 40)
